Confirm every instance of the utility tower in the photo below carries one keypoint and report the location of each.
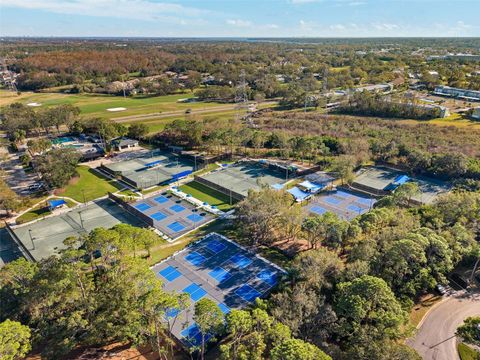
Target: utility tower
(241, 98)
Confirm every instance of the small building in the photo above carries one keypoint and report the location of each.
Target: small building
(124, 144)
(56, 204)
(476, 113)
(464, 94)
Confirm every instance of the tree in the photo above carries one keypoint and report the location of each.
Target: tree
(58, 166)
(404, 193)
(294, 349)
(344, 168)
(137, 130)
(209, 319)
(260, 213)
(368, 310)
(469, 331)
(14, 340)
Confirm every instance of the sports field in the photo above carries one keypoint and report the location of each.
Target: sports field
(97, 105)
(45, 237)
(208, 195)
(219, 269)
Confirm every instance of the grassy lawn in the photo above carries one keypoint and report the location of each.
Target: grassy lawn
(97, 104)
(467, 353)
(420, 309)
(205, 194)
(39, 211)
(89, 183)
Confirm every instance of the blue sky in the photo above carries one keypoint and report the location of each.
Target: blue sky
(242, 18)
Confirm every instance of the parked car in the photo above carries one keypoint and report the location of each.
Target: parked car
(441, 289)
(35, 186)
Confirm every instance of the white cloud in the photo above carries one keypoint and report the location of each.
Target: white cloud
(337, 27)
(357, 3)
(128, 9)
(385, 26)
(239, 22)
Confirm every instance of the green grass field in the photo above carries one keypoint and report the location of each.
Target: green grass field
(89, 183)
(39, 211)
(205, 194)
(97, 105)
(467, 353)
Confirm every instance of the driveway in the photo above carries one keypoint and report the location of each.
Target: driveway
(435, 339)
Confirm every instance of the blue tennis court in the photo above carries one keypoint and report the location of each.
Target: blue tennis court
(240, 260)
(220, 274)
(195, 258)
(268, 276)
(195, 291)
(355, 208)
(318, 210)
(225, 309)
(194, 217)
(176, 226)
(142, 207)
(170, 273)
(216, 246)
(158, 216)
(247, 293)
(332, 200)
(161, 199)
(177, 208)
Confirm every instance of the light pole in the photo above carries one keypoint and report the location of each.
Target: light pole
(81, 220)
(31, 238)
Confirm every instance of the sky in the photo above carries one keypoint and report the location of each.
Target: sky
(240, 18)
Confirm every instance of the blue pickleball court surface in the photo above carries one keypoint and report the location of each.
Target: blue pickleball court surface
(161, 199)
(318, 210)
(355, 208)
(143, 207)
(194, 217)
(332, 200)
(195, 258)
(240, 260)
(195, 291)
(170, 273)
(176, 226)
(193, 335)
(268, 276)
(216, 246)
(247, 293)
(177, 208)
(158, 216)
(220, 274)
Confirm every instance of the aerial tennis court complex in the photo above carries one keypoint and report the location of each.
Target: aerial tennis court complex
(344, 203)
(169, 214)
(237, 179)
(219, 269)
(45, 237)
(150, 169)
(379, 180)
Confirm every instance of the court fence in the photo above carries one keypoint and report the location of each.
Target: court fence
(23, 249)
(217, 187)
(146, 219)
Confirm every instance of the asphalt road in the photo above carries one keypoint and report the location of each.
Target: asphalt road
(435, 339)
